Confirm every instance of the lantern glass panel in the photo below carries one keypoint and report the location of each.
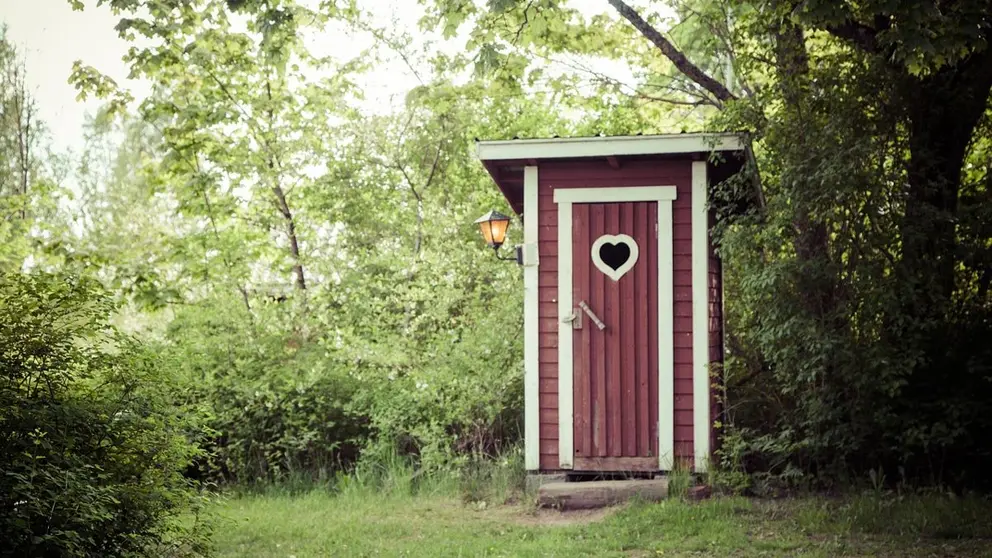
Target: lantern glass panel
(497, 232)
(493, 226)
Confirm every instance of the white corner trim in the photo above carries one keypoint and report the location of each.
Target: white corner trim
(614, 239)
(666, 316)
(552, 148)
(532, 384)
(700, 319)
(566, 447)
(619, 194)
(666, 338)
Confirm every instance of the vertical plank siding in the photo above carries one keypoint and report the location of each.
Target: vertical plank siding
(615, 392)
(611, 376)
(597, 351)
(642, 387)
(628, 335)
(581, 368)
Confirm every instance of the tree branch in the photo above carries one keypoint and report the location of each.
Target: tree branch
(857, 33)
(697, 98)
(671, 101)
(683, 64)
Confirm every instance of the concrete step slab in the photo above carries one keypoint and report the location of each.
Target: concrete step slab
(598, 494)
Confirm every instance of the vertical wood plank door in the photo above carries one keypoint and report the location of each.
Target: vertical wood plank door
(615, 369)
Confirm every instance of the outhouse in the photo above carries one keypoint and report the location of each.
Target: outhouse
(622, 296)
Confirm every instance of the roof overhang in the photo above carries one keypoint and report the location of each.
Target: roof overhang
(505, 159)
(615, 146)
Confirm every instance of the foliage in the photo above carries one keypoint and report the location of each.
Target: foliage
(304, 265)
(92, 447)
(846, 338)
(272, 407)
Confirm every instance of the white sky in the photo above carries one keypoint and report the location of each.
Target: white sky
(52, 36)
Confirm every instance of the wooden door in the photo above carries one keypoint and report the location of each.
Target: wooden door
(615, 362)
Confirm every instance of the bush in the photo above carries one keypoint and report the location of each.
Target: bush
(91, 444)
(439, 358)
(273, 400)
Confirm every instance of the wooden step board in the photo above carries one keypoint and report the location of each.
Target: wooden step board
(598, 494)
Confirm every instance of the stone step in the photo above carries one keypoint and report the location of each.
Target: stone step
(598, 494)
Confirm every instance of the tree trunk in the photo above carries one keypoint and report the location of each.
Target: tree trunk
(684, 65)
(294, 245)
(943, 114)
(281, 204)
(811, 241)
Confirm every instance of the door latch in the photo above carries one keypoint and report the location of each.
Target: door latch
(575, 318)
(592, 315)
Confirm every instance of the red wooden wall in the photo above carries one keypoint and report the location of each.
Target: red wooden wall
(598, 174)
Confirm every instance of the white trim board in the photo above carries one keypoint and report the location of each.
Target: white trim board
(666, 337)
(555, 148)
(663, 195)
(532, 403)
(619, 194)
(700, 320)
(566, 418)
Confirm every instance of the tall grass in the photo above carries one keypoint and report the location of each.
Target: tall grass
(478, 479)
(679, 480)
(929, 514)
(487, 480)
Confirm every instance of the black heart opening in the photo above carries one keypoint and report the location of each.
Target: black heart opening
(614, 255)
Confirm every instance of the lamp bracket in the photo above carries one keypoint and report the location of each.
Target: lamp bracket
(514, 258)
(528, 254)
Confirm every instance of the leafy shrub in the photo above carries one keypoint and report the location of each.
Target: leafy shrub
(274, 402)
(440, 361)
(425, 365)
(91, 444)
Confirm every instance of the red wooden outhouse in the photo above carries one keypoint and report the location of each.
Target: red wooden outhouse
(622, 296)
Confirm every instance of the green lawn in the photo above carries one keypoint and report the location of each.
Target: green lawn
(322, 524)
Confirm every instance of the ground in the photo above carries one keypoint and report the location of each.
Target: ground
(323, 524)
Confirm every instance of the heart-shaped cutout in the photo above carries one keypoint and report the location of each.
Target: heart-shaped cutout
(614, 254)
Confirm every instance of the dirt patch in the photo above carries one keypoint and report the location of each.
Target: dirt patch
(543, 517)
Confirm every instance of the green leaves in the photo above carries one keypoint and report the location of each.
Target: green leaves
(89, 81)
(92, 449)
(917, 36)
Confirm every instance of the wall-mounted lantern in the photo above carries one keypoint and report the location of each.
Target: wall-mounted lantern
(493, 226)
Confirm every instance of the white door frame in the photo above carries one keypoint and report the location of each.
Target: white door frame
(664, 196)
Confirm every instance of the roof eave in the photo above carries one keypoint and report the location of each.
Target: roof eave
(562, 148)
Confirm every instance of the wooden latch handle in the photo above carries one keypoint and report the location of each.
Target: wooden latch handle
(592, 315)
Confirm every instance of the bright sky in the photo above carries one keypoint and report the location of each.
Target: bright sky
(52, 36)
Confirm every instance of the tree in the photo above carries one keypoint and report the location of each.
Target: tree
(19, 145)
(242, 124)
(33, 223)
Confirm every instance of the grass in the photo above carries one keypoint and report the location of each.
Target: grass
(357, 521)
